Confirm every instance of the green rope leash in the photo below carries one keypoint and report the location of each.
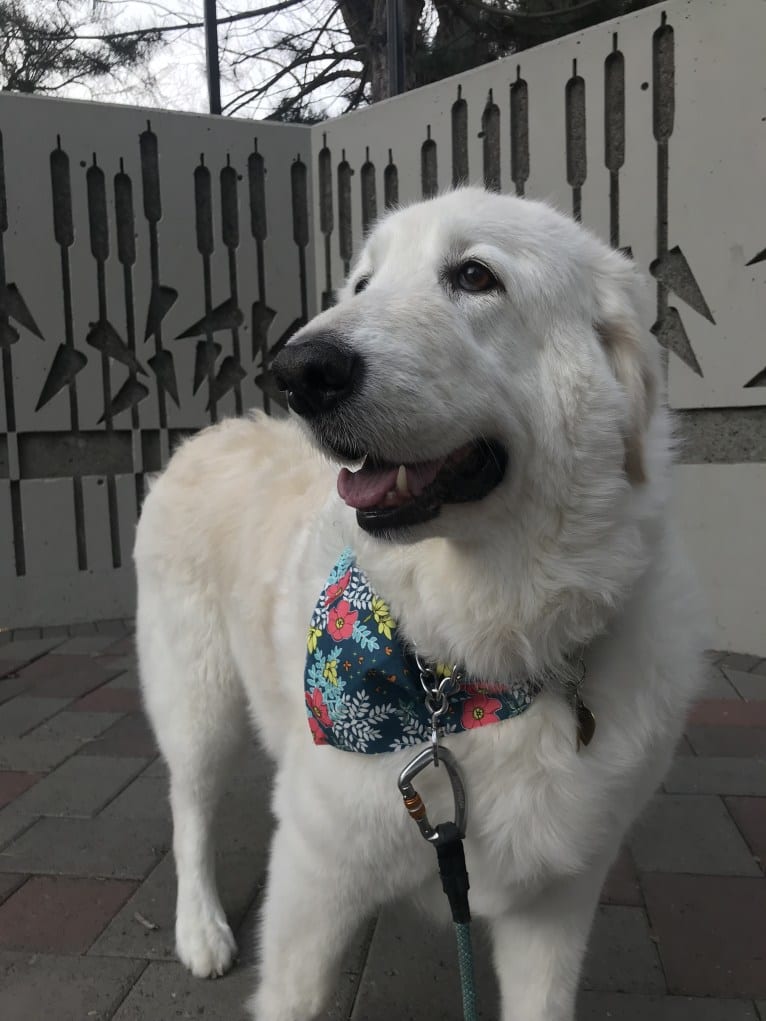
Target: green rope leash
(465, 962)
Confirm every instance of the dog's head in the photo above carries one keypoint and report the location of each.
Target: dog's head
(483, 349)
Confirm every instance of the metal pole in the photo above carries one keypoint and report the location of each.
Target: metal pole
(395, 46)
(211, 56)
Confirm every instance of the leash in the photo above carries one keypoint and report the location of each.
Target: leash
(447, 837)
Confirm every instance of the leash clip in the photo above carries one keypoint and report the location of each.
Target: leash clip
(438, 691)
(414, 803)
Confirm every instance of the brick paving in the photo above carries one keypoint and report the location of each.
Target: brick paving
(87, 883)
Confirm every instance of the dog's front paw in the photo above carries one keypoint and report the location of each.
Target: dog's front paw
(205, 945)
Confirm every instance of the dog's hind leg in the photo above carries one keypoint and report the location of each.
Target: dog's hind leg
(539, 949)
(197, 709)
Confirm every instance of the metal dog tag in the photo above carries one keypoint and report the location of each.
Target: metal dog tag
(586, 723)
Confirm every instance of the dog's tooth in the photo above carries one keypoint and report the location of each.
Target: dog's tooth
(401, 481)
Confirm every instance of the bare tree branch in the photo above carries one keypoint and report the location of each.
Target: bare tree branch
(138, 33)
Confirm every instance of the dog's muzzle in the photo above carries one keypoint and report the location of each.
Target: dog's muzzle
(322, 376)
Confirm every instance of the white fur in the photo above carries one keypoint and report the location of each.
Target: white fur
(236, 540)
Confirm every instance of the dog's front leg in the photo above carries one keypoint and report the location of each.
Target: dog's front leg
(313, 906)
(539, 949)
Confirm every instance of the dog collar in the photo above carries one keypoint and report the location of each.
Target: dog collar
(362, 682)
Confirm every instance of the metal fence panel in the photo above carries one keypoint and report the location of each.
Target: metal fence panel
(649, 128)
(147, 262)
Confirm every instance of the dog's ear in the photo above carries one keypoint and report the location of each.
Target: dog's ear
(620, 296)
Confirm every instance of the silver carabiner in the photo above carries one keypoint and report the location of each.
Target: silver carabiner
(414, 803)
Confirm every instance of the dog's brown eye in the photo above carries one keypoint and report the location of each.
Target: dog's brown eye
(473, 276)
(361, 284)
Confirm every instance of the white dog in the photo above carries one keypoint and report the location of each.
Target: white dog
(494, 348)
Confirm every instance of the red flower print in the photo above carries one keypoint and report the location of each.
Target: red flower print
(317, 708)
(341, 621)
(337, 588)
(316, 732)
(479, 710)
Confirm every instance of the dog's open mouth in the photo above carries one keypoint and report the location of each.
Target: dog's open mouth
(388, 496)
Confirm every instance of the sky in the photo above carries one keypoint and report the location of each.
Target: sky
(178, 67)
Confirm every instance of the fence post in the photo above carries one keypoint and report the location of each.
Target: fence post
(211, 57)
(395, 46)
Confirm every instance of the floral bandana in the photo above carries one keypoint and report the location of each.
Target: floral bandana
(363, 691)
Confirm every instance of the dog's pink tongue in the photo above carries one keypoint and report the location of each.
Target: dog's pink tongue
(366, 487)
(369, 486)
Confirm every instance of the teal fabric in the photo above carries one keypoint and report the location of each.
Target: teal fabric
(363, 691)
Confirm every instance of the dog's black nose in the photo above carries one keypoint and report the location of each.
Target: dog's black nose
(317, 373)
